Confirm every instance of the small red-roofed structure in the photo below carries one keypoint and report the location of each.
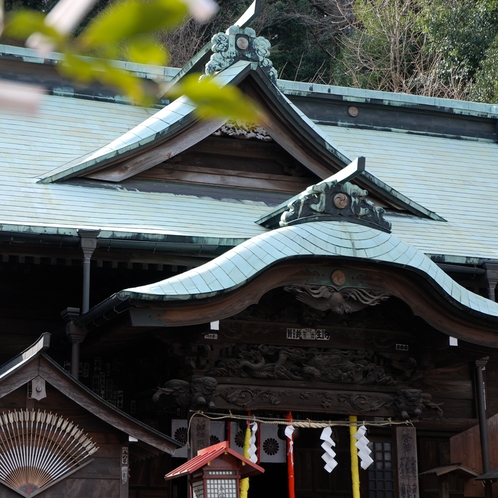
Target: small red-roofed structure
(216, 471)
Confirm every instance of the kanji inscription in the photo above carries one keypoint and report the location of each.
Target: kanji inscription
(406, 441)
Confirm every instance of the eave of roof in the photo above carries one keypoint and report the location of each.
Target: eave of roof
(207, 455)
(466, 472)
(325, 238)
(34, 362)
(360, 95)
(32, 56)
(68, 236)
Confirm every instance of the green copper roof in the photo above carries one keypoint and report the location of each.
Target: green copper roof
(326, 238)
(165, 122)
(450, 177)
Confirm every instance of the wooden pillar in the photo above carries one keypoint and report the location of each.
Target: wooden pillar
(492, 278)
(483, 423)
(406, 448)
(444, 487)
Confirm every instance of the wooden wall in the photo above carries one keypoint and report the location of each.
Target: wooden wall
(465, 448)
(99, 479)
(147, 479)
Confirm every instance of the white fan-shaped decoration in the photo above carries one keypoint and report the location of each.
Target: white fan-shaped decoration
(37, 448)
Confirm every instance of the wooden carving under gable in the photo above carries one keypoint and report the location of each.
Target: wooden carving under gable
(325, 298)
(384, 404)
(243, 131)
(309, 364)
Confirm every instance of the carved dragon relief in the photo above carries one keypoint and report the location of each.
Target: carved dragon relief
(308, 364)
(325, 298)
(409, 403)
(197, 394)
(405, 404)
(327, 200)
(200, 394)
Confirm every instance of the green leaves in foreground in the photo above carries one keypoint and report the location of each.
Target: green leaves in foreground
(214, 101)
(129, 23)
(85, 70)
(127, 30)
(23, 23)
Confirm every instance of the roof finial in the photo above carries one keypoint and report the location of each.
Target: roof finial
(240, 44)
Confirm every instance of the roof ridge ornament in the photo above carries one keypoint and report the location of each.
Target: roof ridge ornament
(240, 44)
(329, 200)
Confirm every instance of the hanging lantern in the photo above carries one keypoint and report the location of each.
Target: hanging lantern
(216, 472)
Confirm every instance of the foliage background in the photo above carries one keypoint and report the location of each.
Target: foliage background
(443, 48)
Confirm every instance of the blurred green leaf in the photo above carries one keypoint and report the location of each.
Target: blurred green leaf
(77, 68)
(85, 70)
(23, 23)
(145, 50)
(129, 28)
(129, 85)
(132, 18)
(213, 100)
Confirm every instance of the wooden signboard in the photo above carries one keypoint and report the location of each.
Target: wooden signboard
(406, 443)
(199, 434)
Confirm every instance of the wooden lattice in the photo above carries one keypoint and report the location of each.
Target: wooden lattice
(38, 448)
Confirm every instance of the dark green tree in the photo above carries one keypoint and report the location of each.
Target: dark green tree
(460, 33)
(427, 47)
(384, 48)
(485, 87)
(304, 35)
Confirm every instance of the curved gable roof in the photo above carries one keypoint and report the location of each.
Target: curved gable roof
(410, 275)
(325, 238)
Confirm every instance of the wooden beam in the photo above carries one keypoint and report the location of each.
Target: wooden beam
(156, 155)
(227, 178)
